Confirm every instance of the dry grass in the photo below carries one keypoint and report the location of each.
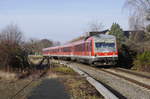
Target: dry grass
(79, 88)
(76, 85)
(9, 88)
(7, 75)
(35, 60)
(63, 70)
(52, 75)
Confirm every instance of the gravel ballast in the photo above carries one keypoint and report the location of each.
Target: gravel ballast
(124, 88)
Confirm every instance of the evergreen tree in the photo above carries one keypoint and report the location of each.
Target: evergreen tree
(147, 34)
(117, 31)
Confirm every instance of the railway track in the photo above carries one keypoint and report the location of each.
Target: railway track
(125, 83)
(142, 82)
(134, 77)
(138, 78)
(147, 76)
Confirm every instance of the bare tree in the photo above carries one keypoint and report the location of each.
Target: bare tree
(35, 46)
(93, 26)
(12, 53)
(96, 26)
(139, 13)
(135, 23)
(56, 43)
(11, 34)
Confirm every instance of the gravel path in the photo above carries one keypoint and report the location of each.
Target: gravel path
(49, 89)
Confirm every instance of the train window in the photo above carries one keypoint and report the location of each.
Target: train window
(66, 49)
(103, 46)
(78, 48)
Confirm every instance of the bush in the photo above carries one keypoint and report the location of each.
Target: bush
(126, 56)
(12, 52)
(12, 57)
(142, 62)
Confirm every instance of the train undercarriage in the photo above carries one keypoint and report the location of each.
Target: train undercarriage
(94, 61)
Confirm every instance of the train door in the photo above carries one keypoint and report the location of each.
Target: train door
(85, 50)
(88, 48)
(92, 47)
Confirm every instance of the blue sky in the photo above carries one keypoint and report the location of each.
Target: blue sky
(60, 20)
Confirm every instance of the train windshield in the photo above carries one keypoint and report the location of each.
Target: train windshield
(104, 47)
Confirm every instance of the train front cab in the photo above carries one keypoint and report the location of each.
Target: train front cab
(105, 52)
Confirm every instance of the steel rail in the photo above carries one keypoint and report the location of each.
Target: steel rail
(128, 79)
(123, 77)
(133, 73)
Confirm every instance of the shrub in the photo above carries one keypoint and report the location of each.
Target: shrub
(142, 61)
(13, 54)
(126, 55)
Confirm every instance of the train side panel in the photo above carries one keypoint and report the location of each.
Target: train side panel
(97, 49)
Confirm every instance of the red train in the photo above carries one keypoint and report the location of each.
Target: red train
(96, 49)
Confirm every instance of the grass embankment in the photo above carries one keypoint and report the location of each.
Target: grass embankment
(76, 85)
(142, 62)
(35, 59)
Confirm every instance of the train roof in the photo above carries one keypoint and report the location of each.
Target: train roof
(97, 36)
(66, 45)
(104, 36)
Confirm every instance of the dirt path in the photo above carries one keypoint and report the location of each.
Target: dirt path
(49, 89)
